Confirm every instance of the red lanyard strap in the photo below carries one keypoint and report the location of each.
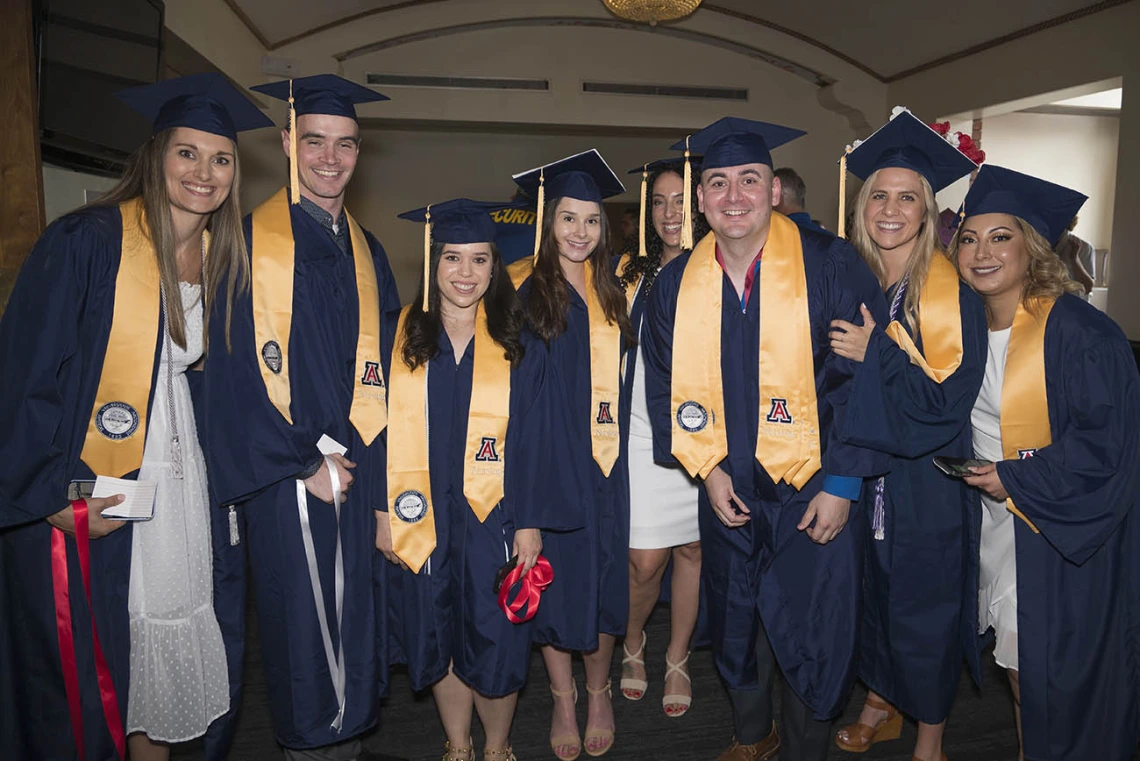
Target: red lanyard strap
(531, 584)
(67, 639)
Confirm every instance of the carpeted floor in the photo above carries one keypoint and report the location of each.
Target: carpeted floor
(980, 729)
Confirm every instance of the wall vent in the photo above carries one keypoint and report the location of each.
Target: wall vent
(667, 91)
(457, 83)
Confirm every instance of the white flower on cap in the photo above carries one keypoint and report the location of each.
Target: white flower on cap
(899, 110)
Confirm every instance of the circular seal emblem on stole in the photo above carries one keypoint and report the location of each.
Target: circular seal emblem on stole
(117, 420)
(271, 355)
(411, 506)
(692, 417)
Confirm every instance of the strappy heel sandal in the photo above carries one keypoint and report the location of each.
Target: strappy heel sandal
(631, 688)
(506, 754)
(859, 738)
(682, 702)
(606, 736)
(459, 754)
(573, 741)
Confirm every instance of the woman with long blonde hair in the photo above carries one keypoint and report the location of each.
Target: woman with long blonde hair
(105, 319)
(1057, 424)
(917, 380)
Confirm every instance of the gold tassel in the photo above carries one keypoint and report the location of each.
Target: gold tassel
(294, 179)
(687, 217)
(538, 213)
(641, 251)
(841, 225)
(427, 258)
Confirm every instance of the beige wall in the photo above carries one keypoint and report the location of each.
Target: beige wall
(1098, 47)
(1078, 152)
(65, 190)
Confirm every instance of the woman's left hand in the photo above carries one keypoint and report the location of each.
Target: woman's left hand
(986, 478)
(849, 340)
(528, 546)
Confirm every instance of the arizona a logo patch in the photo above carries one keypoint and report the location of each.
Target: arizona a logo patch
(604, 415)
(779, 412)
(488, 451)
(1025, 454)
(371, 376)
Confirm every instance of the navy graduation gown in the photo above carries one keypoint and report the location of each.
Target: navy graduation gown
(254, 455)
(1078, 581)
(52, 341)
(595, 557)
(920, 593)
(807, 596)
(448, 613)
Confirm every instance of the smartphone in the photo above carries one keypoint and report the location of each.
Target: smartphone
(80, 489)
(501, 574)
(958, 466)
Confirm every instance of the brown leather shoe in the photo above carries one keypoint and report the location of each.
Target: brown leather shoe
(764, 750)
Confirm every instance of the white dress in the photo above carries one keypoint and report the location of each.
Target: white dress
(997, 582)
(662, 501)
(178, 677)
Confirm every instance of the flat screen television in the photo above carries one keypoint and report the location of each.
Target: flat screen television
(88, 50)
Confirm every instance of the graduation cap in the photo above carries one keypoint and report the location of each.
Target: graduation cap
(1047, 207)
(459, 220)
(584, 177)
(908, 143)
(206, 102)
(730, 141)
(320, 94)
(672, 163)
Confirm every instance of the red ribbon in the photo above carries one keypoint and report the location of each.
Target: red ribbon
(533, 582)
(66, 638)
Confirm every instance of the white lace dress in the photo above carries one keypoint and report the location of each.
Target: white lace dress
(178, 677)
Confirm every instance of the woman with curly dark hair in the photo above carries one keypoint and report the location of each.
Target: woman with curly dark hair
(1058, 420)
(662, 500)
(469, 407)
(573, 302)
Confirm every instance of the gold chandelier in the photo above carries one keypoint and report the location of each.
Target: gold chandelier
(651, 11)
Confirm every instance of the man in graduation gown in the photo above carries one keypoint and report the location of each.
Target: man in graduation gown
(757, 414)
(295, 414)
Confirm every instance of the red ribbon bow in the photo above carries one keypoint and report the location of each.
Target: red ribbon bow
(533, 582)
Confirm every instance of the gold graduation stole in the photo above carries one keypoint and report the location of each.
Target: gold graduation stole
(787, 442)
(520, 270)
(941, 323)
(116, 431)
(1024, 404)
(272, 285)
(410, 513)
(605, 379)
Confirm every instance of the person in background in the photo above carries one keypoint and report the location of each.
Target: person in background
(111, 624)
(793, 199)
(663, 500)
(911, 399)
(1077, 255)
(1058, 419)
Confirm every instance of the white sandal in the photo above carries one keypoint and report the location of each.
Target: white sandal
(629, 684)
(684, 701)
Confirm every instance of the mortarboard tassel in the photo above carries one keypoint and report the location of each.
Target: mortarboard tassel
(687, 217)
(427, 258)
(841, 225)
(538, 214)
(294, 180)
(641, 250)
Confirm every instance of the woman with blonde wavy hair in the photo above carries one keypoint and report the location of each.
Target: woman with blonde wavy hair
(911, 399)
(108, 313)
(1057, 426)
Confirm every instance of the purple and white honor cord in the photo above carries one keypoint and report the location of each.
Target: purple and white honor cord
(879, 518)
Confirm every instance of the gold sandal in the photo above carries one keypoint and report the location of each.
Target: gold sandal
(573, 740)
(506, 754)
(459, 754)
(604, 735)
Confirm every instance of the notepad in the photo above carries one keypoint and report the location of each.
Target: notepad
(139, 502)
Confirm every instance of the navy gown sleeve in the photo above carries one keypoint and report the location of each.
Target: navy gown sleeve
(1078, 489)
(539, 489)
(42, 360)
(847, 283)
(250, 445)
(895, 408)
(657, 352)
